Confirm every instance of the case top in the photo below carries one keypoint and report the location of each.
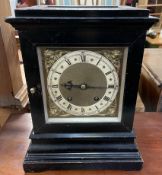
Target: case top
(81, 11)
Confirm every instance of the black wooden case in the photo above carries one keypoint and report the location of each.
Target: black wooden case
(104, 145)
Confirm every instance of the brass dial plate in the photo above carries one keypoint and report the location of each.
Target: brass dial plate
(92, 72)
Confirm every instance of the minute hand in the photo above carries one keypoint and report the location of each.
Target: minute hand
(80, 86)
(97, 87)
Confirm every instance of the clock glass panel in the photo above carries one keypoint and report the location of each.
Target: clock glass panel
(82, 84)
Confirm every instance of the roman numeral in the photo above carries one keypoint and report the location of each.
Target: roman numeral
(69, 107)
(83, 57)
(59, 98)
(97, 109)
(54, 86)
(109, 72)
(58, 72)
(82, 110)
(111, 86)
(98, 61)
(68, 61)
(106, 98)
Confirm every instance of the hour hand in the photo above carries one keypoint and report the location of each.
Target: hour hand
(69, 85)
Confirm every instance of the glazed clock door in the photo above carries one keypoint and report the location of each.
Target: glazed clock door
(82, 84)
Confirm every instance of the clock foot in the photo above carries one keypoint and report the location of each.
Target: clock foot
(113, 151)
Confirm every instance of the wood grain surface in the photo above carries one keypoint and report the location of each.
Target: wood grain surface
(153, 61)
(156, 41)
(14, 143)
(11, 49)
(150, 86)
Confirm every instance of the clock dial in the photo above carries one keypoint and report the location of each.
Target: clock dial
(82, 82)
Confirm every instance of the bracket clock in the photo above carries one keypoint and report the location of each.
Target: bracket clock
(82, 67)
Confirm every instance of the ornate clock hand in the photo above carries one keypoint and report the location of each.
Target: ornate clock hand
(102, 87)
(69, 85)
(96, 87)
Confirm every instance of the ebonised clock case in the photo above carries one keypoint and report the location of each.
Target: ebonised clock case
(82, 145)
